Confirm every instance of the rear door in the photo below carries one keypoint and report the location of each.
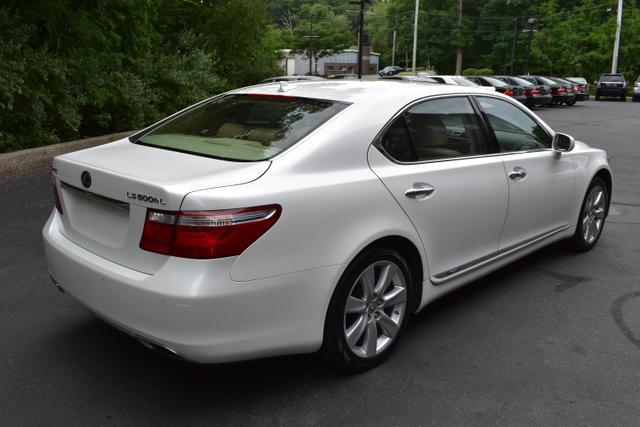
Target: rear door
(437, 162)
(541, 181)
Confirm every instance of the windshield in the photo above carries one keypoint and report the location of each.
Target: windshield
(242, 127)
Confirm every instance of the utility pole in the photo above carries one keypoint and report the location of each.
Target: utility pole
(415, 38)
(393, 49)
(311, 51)
(513, 44)
(360, 38)
(616, 45)
(530, 21)
(459, 50)
(360, 34)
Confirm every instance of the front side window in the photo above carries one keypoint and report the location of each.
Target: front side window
(437, 129)
(242, 127)
(514, 129)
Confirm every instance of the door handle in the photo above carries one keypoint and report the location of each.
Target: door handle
(420, 189)
(517, 173)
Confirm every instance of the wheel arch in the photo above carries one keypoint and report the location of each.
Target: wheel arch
(605, 175)
(410, 253)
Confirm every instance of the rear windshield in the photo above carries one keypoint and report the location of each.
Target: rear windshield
(579, 80)
(521, 82)
(464, 82)
(611, 78)
(242, 127)
(495, 82)
(547, 81)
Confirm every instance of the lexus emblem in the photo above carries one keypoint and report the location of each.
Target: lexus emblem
(85, 177)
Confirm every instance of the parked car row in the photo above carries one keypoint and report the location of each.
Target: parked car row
(531, 90)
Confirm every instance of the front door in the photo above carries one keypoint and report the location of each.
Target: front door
(541, 181)
(433, 159)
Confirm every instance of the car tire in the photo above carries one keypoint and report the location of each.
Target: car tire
(570, 103)
(592, 216)
(354, 311)
(635, 99)
(597, 96)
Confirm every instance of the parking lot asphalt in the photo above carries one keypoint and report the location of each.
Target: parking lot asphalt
(553, 339)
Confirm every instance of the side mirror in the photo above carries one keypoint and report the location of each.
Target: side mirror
(563, 142)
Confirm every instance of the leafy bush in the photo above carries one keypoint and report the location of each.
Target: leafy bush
(72, 69)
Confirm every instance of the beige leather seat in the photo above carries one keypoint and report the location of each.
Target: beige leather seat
(430, 137)
(232, 130)
(265, 136)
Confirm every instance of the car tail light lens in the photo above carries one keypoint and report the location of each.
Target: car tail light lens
(535, 91)
(56, 195)
(562, 89)
(206, 234)
(508, 92)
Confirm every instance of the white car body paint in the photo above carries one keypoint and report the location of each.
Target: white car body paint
(338, 194)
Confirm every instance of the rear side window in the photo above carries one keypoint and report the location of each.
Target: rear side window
(438, 129)
(242, 127)
(514, 129)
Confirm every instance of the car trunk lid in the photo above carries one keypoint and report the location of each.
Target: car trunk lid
(105, 213)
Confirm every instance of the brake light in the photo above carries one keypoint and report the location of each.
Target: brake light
(271, 96)
(56, 195)
(206, 234)
(576, 88)
(562, 89)
(535, 92)
(508, 92)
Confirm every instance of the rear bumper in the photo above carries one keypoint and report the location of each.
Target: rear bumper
(539, 99)
(611, 91)
(582, 96)
(193, 307)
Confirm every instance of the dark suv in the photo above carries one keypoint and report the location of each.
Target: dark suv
(612, 85)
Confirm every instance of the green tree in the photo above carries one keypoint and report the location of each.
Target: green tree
(320, 32)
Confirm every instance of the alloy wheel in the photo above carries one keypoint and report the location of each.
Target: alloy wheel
(375, 309)
(593, 214)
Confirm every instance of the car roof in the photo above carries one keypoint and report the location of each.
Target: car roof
(357, 91)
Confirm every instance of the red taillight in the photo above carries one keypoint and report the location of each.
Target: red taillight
(206, 234)
(562, 89)
(535, 91)
(576, 88)
(56, 195)
(508, 92)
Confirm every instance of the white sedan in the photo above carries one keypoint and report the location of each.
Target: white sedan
(291, 218)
